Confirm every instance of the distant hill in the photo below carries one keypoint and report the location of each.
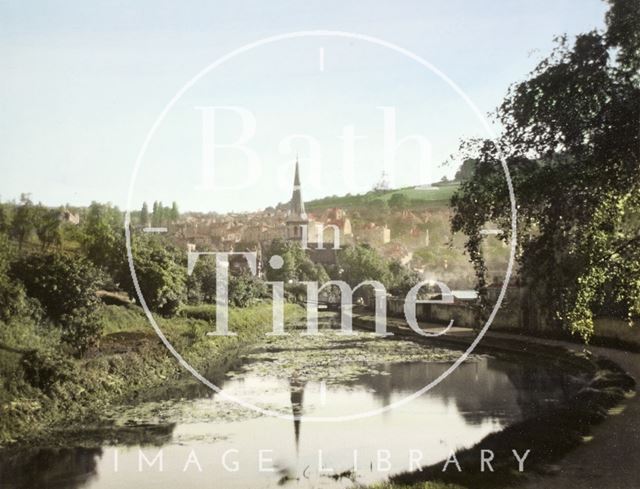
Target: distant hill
(434, 196)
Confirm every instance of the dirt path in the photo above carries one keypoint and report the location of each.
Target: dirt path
(611, 459)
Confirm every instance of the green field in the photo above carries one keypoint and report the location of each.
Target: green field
(438, 196)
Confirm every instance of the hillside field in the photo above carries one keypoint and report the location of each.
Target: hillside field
(437, 196)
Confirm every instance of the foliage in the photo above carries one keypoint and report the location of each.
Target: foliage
(44, 369)
(201, 284)
(13, 299)
(23, 222)
(297, 266)
(204, 312)
(161, 273)
(144, 215)
(245, 289)
(466, 170)
(360, 263)
(399, 201)
(60, 282)
(5, 218)
(82, 329)
(402, 279)
(47, 226)
(571, 142)
(162, 215)
(102, 237)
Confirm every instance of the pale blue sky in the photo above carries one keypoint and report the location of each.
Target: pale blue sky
(82, 83)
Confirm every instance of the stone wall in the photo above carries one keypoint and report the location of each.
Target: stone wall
(518, 312)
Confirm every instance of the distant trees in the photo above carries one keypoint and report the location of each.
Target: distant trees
(23, 222)
(174, 214)
(401, 279)
(47, 226)
(5, 218)
(102, 237)
(360, 263)
(144, 215)
(377, 210)
(162, 215)
(297, 267)
(399, 201)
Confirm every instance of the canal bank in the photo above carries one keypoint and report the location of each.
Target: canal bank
(567, 442)
(330, 375)
(52, 392)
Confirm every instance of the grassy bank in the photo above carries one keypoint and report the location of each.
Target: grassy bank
(43, 389)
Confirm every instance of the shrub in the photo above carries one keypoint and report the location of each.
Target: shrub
(44, 369)
(60, 282)
(82, 329)
(161, 275)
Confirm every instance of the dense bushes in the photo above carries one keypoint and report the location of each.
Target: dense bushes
(245, 289)
(13, 299)
(161, 272)
(44, 369)
(61, 283)
(65, 286)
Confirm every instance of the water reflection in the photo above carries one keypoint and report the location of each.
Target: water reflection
(50, 468)
(476, 399)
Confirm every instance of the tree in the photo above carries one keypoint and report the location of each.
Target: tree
(158, 216)
(571, 142)
(161, 272)
(201, 284)
(377, 210)
(14, 303)
(5, 218)
(82, 329)
(174, 214)
(47, 225)
(297, 266)
(102, 238)
(465, 172)
(23, 221)
(60, 282)
(399, 201)
(144, 215)
(401, 279)
(245, 289)
(360, 263)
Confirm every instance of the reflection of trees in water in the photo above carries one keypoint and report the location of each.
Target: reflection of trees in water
(71, 468)
(49, 468)
(537, 386)
(485, 389)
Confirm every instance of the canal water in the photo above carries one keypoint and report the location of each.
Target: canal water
(194, 439)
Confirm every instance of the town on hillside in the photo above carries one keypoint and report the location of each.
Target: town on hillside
(408, 226)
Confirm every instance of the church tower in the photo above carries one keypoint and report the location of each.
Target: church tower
(296, 217)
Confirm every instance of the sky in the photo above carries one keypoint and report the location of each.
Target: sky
(83, 83)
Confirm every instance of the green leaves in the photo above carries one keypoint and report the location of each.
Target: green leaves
(571, 140)
(60, 282)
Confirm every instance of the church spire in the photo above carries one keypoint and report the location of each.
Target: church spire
(296, 178)
(296, 207)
